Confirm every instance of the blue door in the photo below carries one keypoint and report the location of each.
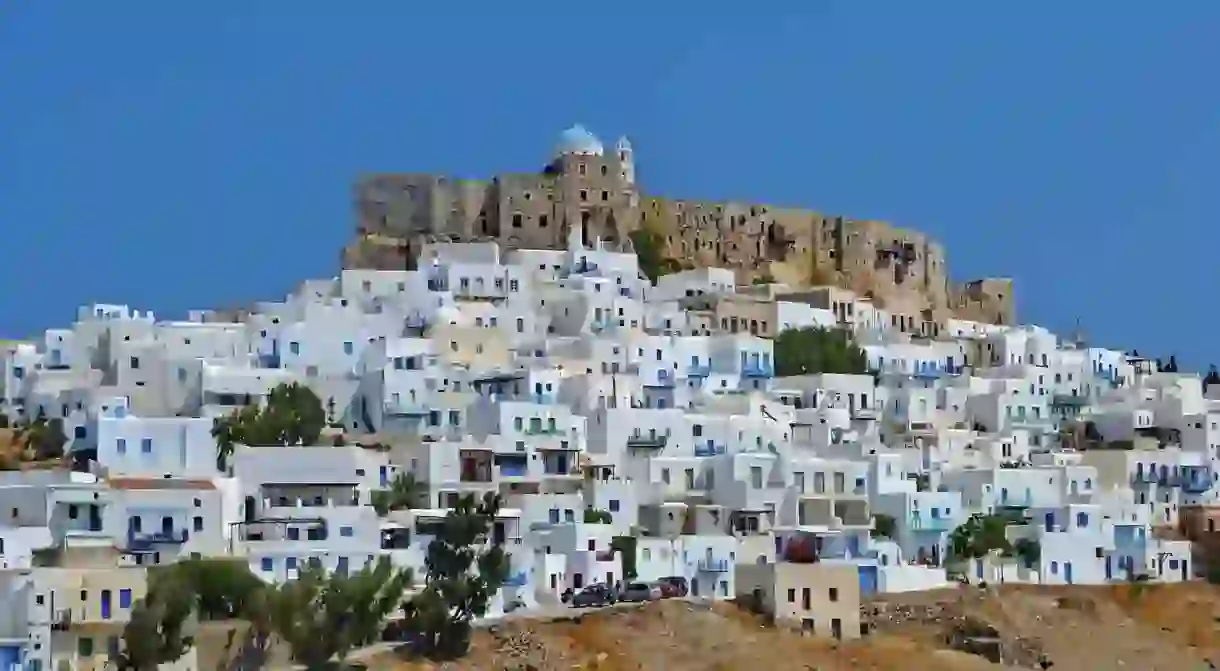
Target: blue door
(1109, 569)
(1067, 572)
(105, 604)
(868, 580)
(1050, 521)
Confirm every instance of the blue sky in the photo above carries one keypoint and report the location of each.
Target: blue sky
(175, 155)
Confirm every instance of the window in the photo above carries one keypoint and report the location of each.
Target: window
(347, 348)
(294, 347)
(267, 564)
(346, 532)
(124, 598)
(135, 363)
(84, 646)
(120, 445)
(791, 596)
(834, 594)
(290, 563)
(592, 545)
(197, 523)
(146, 445)
(614, 505)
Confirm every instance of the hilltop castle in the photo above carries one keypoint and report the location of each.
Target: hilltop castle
(587, 185)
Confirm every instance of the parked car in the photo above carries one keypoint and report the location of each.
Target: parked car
(668, 590)
(593, 595)
(636, 592)
(677, 586)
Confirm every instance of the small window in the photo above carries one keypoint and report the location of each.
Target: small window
(834, 594)
(791, 596)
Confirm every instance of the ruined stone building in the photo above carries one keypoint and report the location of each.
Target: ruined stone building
(586, 185)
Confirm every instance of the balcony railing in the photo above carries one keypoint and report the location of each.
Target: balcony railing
(1069, 401)
(664, 379)
(517, 579)
(1196, 479)
(698, 370)
(649, 441)
(714, 565)
(1150, 476)
(405, 408)
(922, 523)
(143, 540)
(756, 369)
(710, 450)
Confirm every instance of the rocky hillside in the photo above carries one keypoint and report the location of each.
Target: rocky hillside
(1140, 628)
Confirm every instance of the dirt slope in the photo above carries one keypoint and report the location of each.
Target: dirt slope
(1148, 628)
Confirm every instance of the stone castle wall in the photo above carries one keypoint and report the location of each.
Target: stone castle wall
(903, 270)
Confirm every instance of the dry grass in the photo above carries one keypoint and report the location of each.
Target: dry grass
(1152, 628)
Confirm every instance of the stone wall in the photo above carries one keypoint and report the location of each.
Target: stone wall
(903, 270)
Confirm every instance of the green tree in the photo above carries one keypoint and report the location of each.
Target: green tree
(224, 589)
(978, 536)
(649, 245)
(1029, 550)
(404, 492)
(465, 568)
(808, 351)
(44, 438)
(595, 516)
(162, 625)
(292, 415)
(625, 546)
(322, 617)
(883, 526)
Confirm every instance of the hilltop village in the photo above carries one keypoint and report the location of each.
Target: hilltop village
(714, 432)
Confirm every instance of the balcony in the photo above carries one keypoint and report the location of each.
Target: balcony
(864, 413)
(710, 449)
(698, 370)
(517, 579)
(143, 541)
(922, 523)
(1196, 479)
(405, 408)
(1148, 477)
(476, 475)
(543, 431)
(61, 620)
(714, 565)
(1068, 401)
(1169, 478)
(757, 369)
(1020, 501)
(652, 441)
(665, 379)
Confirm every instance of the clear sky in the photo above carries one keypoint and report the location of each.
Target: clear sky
(176, 155)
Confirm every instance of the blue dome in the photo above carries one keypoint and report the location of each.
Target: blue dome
(577, 140)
